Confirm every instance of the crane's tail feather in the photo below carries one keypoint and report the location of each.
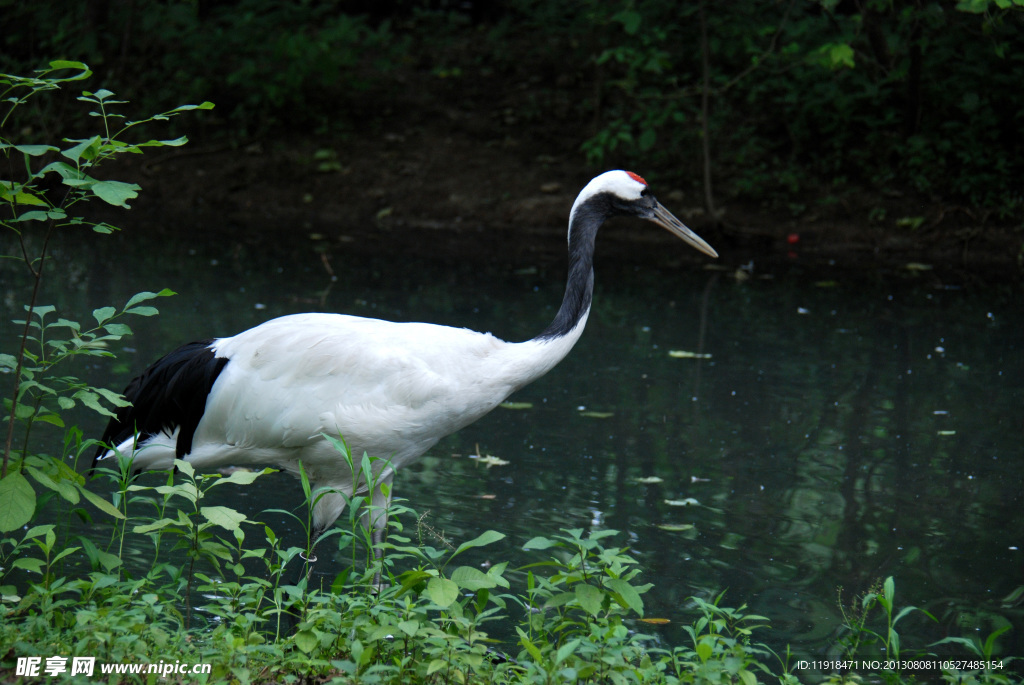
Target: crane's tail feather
(167, 398)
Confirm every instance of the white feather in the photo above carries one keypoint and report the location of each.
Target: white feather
(391, 390)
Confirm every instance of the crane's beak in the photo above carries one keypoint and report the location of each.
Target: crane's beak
(666, 219)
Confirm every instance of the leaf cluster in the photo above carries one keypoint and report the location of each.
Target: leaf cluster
(46, 190)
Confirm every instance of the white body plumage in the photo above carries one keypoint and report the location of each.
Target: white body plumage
(392, 390)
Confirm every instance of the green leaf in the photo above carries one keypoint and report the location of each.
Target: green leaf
(442, 591)
(114, 398)
(118, 329)
(143, 296)
(63, 553)
(29, 564)
(105, 559)
(472, 579)
(528, 645)
(627, 593)
(63, 169)
(23, 197)
(539, 543)
(306, 640)
(31, 150)
(185, 108)
(559, 600)
(92, 400)
(155, 525)
(903, 612)
(39, 531)
(143, 311)
(101, 504)
(176, 142)
(410, 628)
(590, 598)
(65, 489)
(566, 650)
(83, 71)
(86, 148)
(225, 517)
(53, 419)
(837, 55)
(990, 641)
(410, 579)
(38, 215)
(242, 477)
(101, 94)
(116, 193)
(103, 314)
(17, 502)
(486, 538)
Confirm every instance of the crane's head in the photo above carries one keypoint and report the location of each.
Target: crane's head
(623, 193)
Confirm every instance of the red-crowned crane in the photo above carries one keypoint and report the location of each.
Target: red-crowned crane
(268, 395)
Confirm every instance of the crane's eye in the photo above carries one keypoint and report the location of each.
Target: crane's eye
(645, 192)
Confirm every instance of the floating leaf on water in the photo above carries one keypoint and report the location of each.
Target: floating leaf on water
(947, 432)
(686, 354)
(826, 284)
(689, 501)
(516, 405)
(656, 621)
(675, 527)
(486, 496)
(597, 414)
(696, 479)
(488, 460)
(650, 480)
(917, 266)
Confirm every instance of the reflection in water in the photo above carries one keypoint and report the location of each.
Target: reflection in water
(839, 432)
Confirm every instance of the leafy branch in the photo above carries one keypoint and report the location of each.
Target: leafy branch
(42, 186)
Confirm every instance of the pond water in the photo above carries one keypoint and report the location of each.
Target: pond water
(831, 429)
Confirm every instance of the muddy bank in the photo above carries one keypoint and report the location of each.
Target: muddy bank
(423, 185)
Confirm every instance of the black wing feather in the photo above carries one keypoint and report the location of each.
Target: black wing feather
(170, 394)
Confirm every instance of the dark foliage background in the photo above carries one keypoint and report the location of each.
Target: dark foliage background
(792, 103)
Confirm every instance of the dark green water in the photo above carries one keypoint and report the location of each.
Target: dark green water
(845, 427)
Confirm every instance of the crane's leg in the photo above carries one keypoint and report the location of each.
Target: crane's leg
(378, 521)
(309, 557)
(329, 506)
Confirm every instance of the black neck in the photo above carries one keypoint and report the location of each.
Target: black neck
(579, 288)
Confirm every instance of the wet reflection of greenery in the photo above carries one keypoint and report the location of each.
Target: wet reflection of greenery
(840, 432)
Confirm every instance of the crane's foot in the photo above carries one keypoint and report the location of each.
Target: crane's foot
(308, 568)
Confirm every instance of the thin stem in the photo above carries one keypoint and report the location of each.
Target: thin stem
(12, 417)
